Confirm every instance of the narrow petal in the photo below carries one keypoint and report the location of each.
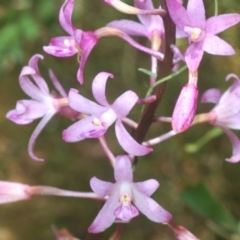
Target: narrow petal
(128, 143)
(88, 42)
(145, 5)
(217, 24)
(193, 56)
(57, 84)
(65, 16)
(138, 46)
(14, 117)
(178, 14)
(105, 217)
(212, 95)
(30, 109)
(83, 129)
(196, 13)
(83, 105)
(99, 87)
(147, 187)
(235, 144)
(41, 83)
(101, 188)
(124, 103)
(123, 169)
(36, 133)
(27, 85)
(150, 208)
(217, 46)
(131, 28)
(61, 47)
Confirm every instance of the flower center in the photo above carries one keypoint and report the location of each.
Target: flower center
(96, 122)
(196, 33)
(66, 42)
(125, 198)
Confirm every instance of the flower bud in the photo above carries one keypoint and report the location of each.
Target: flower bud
(185, 108)
(12, 192)
(181, 233)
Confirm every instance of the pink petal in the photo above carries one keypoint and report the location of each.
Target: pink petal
(126, 212)
(57, 84)
(193, 55)
(83, 129)
(61, 47)
(128, 143)
(33, 63)
(147, 187)
(212, 95)
(36, 133)
(83, 105)
(130, 28)
(14, 117)
(145, 5)
(150, 208)
(27, 85)
(196, 13)
(217, 24)
(217, 46)
(105, 217)
(138, 46)
(178, 14)
(99, 86)
(101, 188)
(88, 42)
(30, 109)
(124, 103)
(65, 16)
(123, 169)
(235, 144)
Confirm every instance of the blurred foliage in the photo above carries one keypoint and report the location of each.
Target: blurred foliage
(196, 187)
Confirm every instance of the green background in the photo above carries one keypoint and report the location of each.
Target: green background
(196, 188)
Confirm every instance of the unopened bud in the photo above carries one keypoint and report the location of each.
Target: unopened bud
(185, 108)
(12, 192)
(182, 233)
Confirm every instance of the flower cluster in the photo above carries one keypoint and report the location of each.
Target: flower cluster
(124, 199)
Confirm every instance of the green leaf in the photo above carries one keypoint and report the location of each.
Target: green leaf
(201, 200)
(149, 73)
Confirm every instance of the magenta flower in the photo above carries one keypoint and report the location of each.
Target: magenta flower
(42, 105)
(102, 116)
(82, 43)
(12, 192)
(122, 194)
(201, 32)
(226, 113)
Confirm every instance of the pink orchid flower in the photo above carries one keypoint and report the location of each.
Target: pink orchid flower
(122, 194)
(81, 42)
(226, 113)
(201, 32)
(102, 116)
(43, 104)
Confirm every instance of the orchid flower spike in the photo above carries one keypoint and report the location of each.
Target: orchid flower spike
(82, 43)
(43, 104)
(186, 105)
(201, 32)
(125, 8)
(122, 194)
(226, 113)
(103, 116)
